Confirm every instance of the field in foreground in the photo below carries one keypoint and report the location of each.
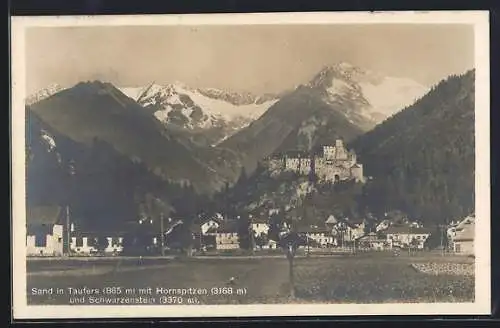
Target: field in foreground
(356, 279)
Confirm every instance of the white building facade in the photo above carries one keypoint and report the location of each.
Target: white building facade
(45, 240)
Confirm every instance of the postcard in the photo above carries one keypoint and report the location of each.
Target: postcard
(222, 165)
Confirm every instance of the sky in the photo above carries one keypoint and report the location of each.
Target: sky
(258, 58)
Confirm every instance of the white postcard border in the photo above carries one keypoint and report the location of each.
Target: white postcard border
(482, 304)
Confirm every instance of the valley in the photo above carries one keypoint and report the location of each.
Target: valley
(118, 148)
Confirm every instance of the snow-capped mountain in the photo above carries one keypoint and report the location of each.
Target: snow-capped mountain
(220, 112)
(43, 93)
(340, 101)
(365, 94)
(132, 92)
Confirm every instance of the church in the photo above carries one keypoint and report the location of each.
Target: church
(333, 164)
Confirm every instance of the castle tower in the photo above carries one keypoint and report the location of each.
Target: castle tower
(340, 151)
(329, 152)
(357, 172)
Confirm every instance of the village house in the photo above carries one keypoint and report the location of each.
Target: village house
(322, 236)
(383, 225)
(451, 230)
(463, 240)
(458, 225)
(260, 226)
(415, 224)
(210, 224)
(372, 241)
(226, 235)
(348, 231)
(44, 233)
(331, 221)
(270, 244)
(406, 235)
(86, 243)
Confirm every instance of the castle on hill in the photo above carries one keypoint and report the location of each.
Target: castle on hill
(333, 164)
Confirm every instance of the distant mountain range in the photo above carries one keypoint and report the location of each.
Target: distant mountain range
(99, 111)
(200, 139)
(209, 116)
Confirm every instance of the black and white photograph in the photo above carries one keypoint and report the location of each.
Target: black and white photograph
(251, 164)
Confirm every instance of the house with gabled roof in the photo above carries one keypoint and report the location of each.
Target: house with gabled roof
(371, 240)
(463, 240)
(405, 235)
(44, 231)
(226, 235)
(260, 225)
(349, 230)
(86, 242)
(331, 220)
(382, 225)
(210, 224)
(320, 235)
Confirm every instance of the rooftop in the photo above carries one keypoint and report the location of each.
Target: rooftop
(228, 227)
(406, 230)
(465, 222)
(95, 233)
(331, 220)
(312, 229)
(43, 215)
(466, 233)
(39, 230)
(259, 219)
(372, 236)
(297, 153)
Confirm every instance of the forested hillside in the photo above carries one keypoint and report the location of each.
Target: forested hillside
(422, 159)
(103, 187)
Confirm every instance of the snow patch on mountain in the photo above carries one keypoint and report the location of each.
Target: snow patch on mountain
(48, 140)
(338, 87)
(364, 94)
(132, 92)
(392, 94)
(229, 111)
(43, 93)
(201, 109)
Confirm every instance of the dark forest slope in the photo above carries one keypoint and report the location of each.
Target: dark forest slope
(422, 159)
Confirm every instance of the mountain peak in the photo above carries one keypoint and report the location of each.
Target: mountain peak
(340, 70)
(346, 84)
(342, 67)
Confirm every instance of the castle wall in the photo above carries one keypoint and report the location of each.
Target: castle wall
(335, 162)
(357, 172)
(328, 172)
(305, 166)
(292, 164)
